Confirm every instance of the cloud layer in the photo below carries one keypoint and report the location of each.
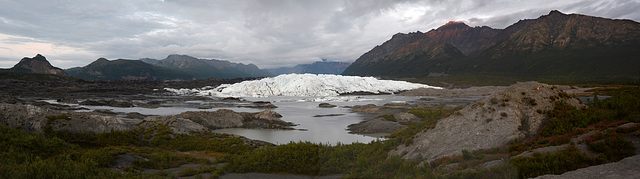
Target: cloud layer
(266, 33)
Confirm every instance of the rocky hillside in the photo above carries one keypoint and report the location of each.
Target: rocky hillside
(406, 55)
(37, 64)
(319, 67)
(202, 68)
(572, 48)
(492, 121)
(466, 39)
(122, 69)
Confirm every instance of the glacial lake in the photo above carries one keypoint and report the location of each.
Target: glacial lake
(299, 110)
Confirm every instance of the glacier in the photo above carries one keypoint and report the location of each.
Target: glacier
(319, 85)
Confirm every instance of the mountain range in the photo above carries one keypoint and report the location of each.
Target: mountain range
(123, 69)
(319, 67)
(203, 68)
(174, 67)
(556, 46)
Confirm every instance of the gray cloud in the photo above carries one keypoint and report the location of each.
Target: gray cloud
(266, 33)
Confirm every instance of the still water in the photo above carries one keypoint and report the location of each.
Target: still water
(299, 110)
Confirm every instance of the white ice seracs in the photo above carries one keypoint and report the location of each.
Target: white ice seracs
(303, 85)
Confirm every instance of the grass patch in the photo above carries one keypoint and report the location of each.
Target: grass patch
(389, 117)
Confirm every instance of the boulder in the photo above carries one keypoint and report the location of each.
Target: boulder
(176, 124)
(264, 104)
(405, 117)
(375, 126)
(266, 119)
(222, 118)
(29, 118)
(326, 105)
(83, 122)
(267, 115)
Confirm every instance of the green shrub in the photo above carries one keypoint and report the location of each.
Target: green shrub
(192, 171)
(494, 100)
(389, 117)
(295, 158)
(102, 157)
(164, 160)
(551, 163)
(188, 172)
(610, 146)
(469, 155)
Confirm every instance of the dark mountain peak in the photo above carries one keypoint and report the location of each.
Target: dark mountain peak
(453, 25)
(37, 64)
(102, 60)
(150, 61)
(403, 37)
(39, 57)
(400, 54)
(318, 67)
(466, 39)
(180, 57)
(556, 13)
(99, 61)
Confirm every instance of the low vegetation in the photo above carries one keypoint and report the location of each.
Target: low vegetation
(64, 155)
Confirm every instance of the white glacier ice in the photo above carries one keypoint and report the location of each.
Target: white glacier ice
(303, 85)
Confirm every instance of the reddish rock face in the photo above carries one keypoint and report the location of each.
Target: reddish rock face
(466, 39)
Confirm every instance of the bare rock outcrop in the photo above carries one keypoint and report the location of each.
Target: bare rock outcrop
(176, 124)
(266, 119)
(471, 91)
(222, 118)
(90, 123)
(29, 118)
(513, 114)
(375, 126)
(405, 117)
(389, 108)
(267, 115)
(326, 105)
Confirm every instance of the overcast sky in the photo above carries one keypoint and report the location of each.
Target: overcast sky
(267, 33)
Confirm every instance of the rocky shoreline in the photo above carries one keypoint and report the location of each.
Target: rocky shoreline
(31, 118)
(23, 105)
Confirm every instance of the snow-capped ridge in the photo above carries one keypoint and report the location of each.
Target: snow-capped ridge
(303, 85)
